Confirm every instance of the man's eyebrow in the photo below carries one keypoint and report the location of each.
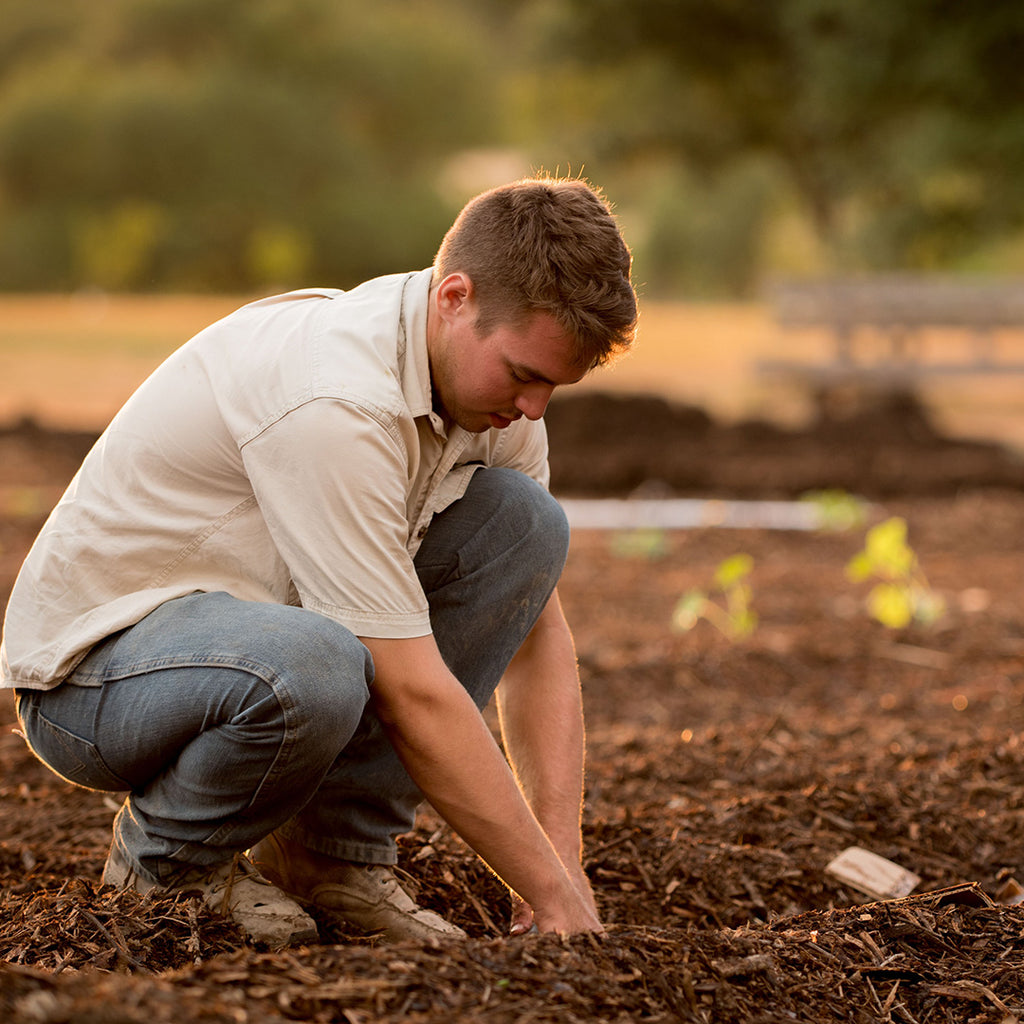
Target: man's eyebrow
(531, 374)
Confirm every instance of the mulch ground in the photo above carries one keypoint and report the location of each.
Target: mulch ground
(724, 775)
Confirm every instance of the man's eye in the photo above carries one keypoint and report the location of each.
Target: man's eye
(518, 377)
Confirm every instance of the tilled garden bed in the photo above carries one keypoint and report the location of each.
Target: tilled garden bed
(724, 776)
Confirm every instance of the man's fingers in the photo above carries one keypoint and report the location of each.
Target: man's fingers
(522, 918)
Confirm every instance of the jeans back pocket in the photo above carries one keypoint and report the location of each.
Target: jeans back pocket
(72, 757)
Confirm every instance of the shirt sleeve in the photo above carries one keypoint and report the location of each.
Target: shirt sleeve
(524, 446)
(331, 480)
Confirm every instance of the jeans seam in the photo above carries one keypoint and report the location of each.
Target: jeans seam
(288, 708)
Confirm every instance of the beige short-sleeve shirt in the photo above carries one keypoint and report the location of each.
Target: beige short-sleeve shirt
(288, 453)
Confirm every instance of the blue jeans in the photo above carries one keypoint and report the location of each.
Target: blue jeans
(228, 719)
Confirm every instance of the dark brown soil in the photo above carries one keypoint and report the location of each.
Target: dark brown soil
(724, 775)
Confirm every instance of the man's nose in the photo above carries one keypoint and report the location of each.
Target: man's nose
(533, 399)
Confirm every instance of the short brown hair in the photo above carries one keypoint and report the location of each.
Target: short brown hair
(546, 245)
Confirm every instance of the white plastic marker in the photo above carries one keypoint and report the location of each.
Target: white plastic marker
(690, 513)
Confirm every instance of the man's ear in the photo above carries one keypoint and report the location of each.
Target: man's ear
(455, 295)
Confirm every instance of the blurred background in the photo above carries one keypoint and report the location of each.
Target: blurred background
(237, 147)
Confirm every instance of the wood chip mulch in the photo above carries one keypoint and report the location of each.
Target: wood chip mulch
(723, 778)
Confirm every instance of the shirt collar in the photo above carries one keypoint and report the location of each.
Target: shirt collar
(416, 384)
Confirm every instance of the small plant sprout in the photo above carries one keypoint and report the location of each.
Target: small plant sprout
(647, 543)
(837, 510)
(902, 594)
(731, 614)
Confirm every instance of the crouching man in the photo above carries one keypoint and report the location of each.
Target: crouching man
(291, 573)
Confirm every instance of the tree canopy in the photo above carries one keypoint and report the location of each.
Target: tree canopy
(221, 143)
(898, 127)
(244, 144)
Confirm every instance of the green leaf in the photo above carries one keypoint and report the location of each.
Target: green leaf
(744, 623)
(887, 549)
(859, 568)
(891, 605)
(732, 570)
(836, 509)
(640, 543)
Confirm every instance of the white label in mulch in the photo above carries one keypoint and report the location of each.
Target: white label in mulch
(872, 875)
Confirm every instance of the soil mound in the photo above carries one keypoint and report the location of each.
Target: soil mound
(607, 445)
(877, 446)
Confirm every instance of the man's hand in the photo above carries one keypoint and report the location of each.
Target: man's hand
(523, 917)
(447, 748)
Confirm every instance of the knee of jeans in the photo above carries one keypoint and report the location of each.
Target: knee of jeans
(324, 677)
(535, 520)
(528, 513)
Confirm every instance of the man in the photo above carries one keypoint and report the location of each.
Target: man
(292, 571)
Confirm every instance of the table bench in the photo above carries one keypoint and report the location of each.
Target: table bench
(876, 325)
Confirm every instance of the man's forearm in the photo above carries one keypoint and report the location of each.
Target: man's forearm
(448, 750)
(541, 716)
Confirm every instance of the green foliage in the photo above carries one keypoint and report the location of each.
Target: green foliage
(896, 125)
(902, 594)
(116, 251)
(243, 144)
(704, 230)
(210, 144)
(646, 543)
(278, 253)
(726, 604)
(836, 509)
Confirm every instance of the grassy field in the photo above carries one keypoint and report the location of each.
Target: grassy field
(72, 361)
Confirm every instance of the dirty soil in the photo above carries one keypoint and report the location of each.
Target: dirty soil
(724, 774)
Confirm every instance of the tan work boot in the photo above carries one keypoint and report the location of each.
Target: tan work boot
(368, 897)
(235, 889)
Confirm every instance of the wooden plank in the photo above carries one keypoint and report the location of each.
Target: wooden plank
(898, 301)
(897, 307)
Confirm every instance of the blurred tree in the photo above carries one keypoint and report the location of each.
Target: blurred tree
(248, 144)
(229, 144)
(898, 125)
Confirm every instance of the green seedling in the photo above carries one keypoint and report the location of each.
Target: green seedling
(731, 613)
(837, 510)
(644, 542)
(902, 594)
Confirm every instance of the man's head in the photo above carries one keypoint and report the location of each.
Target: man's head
(551, 246)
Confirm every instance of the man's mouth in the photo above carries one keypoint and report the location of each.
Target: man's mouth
(499, 421)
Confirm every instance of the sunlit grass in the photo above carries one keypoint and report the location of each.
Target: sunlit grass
(72, 360)
(148, 326)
